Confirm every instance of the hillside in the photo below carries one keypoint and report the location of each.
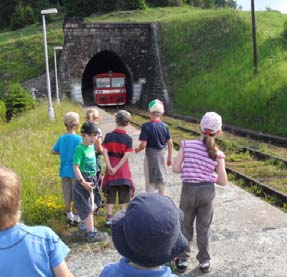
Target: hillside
(211, 67)
(207, 56)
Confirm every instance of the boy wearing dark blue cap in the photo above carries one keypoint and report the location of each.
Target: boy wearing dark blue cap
(85, 169)
(147, 235)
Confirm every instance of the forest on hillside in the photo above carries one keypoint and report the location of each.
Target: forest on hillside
(15, 14)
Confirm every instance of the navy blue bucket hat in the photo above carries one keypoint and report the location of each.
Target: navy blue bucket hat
(149, 233)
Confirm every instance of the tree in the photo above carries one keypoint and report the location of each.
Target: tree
(226, 4)
(81, 8)
(7, 9)
(24, 15)
(285, 31)
(135, 4)
(231, 4)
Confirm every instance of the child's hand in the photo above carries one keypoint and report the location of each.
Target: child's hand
(87, 185)
(169, 162)
(111, 171)
(137, 150)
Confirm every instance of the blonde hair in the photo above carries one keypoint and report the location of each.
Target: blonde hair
(210, 144)
(92, 114)
(72, 120)
(10, 193)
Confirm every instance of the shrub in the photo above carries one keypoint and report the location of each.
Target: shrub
(2, 112)
(17, 100)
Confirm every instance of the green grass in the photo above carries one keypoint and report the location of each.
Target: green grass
(211, 67)
(26, 144)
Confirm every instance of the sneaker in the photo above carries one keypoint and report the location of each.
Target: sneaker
(98, 212)
(82, 229)
(73, 223)
(109, 221)
(204, 267)
(97, 236)
(77, 218)
(70, 216)
(181, 264)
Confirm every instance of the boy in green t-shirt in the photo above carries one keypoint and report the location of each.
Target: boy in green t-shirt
(85, 169)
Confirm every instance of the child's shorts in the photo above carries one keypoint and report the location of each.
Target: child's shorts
(83, 201)
(123, 191)
(67, 188)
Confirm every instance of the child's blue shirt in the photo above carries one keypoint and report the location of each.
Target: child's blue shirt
(65, 146)
(155, 133)
(124, 269)
(30, 251)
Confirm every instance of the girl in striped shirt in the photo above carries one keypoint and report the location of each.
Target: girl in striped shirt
(201, 165)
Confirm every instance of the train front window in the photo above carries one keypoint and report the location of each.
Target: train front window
(118, 82)
(103, 83)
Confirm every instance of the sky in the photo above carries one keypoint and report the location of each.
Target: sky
(260, 5)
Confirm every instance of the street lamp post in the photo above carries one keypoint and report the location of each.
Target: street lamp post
(51, 114)
(56, 74)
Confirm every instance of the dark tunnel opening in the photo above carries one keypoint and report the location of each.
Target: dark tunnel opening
(103, 62)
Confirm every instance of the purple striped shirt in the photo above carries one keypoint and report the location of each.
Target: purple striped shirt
(197, 166)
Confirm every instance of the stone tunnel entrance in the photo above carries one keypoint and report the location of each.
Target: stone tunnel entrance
(103, 62)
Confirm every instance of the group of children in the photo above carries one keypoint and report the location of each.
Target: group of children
(151, 231)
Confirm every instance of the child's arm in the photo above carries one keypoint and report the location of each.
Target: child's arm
(121, 162)
(81, 179)
(99, 146)
(221, 173)
(177, 163)
(56, 148)
(107, 158)
(141, 147)
(169, 151)
(62, 270)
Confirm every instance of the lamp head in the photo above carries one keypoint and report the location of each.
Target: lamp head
(49, 11)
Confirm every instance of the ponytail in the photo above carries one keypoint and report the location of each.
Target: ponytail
(210, 144)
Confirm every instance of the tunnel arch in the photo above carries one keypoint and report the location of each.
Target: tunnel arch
(103, 62)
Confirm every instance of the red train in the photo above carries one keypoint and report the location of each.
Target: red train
(110, 89)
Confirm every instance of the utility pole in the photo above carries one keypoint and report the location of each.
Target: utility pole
(254, 37)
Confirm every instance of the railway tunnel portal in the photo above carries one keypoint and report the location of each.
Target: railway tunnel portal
(129, 48)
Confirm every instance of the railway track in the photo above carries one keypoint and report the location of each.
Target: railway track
(261, 173)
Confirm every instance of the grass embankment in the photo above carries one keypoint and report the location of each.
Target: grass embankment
(208, 58)
(26, 144)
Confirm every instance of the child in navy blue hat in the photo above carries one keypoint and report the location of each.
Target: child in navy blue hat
(147, 235)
